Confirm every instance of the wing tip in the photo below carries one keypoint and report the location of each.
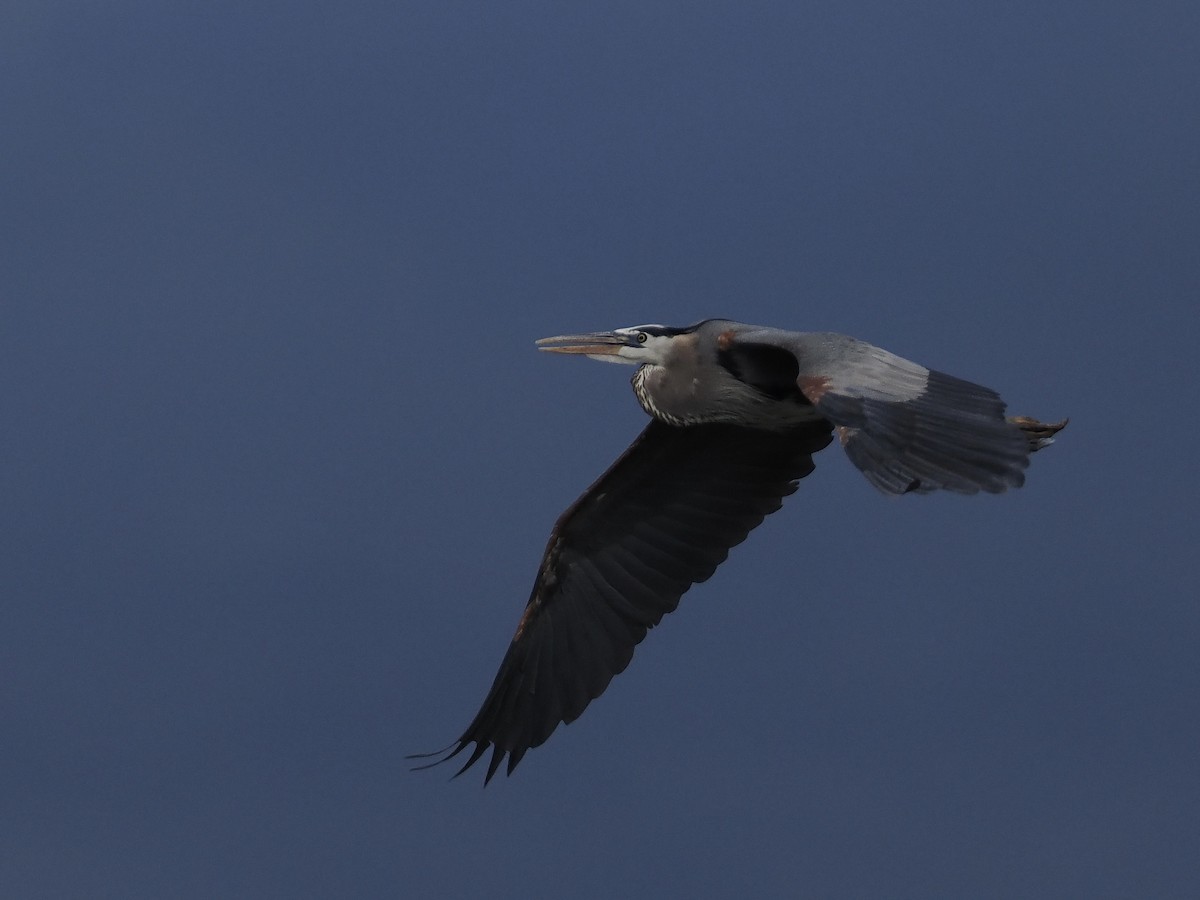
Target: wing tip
(444, 754)
(450, 751)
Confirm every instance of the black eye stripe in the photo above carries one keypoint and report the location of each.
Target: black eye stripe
(652, 330)
(641, 338)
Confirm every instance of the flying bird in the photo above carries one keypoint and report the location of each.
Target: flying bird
(736, 413)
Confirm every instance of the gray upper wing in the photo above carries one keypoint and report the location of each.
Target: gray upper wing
(908, 428)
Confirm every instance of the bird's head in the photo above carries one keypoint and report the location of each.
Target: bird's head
(637, 345)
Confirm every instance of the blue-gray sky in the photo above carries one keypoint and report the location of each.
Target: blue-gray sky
(279, 459)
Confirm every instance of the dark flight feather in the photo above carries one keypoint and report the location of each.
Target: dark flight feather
(661, 519)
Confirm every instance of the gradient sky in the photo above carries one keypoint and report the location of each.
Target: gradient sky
(279, 458)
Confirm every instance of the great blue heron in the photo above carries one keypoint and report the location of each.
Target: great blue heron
(736, 413)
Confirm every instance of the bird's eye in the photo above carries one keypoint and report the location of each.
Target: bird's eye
(641, 337)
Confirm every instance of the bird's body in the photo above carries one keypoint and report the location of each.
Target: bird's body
(737, 412)
(672, 394)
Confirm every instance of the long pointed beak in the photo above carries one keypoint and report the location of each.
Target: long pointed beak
(596, 343)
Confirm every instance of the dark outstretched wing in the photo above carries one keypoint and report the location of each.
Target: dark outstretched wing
(906, 427)
(661, 519)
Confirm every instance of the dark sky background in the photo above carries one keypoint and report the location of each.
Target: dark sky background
(278, 457)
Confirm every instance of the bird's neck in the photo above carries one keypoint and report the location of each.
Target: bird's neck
(653, 388)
